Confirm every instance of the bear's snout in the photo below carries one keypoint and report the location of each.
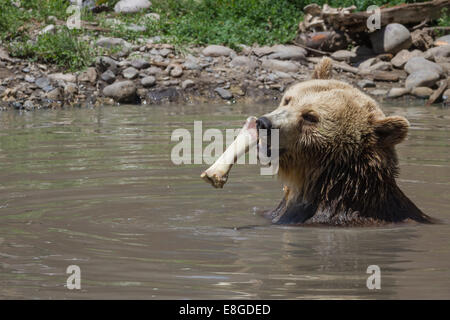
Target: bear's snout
(263, 123)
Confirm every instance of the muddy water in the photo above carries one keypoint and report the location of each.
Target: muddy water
(97, 189)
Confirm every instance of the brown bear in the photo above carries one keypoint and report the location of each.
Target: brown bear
(337, 157)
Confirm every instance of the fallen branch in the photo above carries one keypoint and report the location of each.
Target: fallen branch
(311, 49)
(438, 93)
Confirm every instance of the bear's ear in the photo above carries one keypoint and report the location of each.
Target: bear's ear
(391, 130)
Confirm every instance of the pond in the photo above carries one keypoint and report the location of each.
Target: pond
(96, 188)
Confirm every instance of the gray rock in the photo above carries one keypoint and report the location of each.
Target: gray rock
(106, 63)
(122, 91)
(421, 78)
(153, 70)
(217, 51)
(283, 52)
(164, 52)
(366, 84)
(28, 105)
(281, 74)
(48, 29)
(176, 71)
(131, 6)
(153, 16)
(391, 39)
(379, 92)
(130, 73)
(44, 84)
(108, 76)
(278, 65)
(29, 79)
(397, 92)
(90, 75)
(445, 66)
(55, 94)
(403, 56)
(140, 64)
(444, 40)
(70, 88)
(67, 77)
(343, 55)
(224, 93)
(124, 64)
(187, 84)
(422, 92)
(263, 51)
(106, 42)
(244, 62)
(438, 53)
(192, 63)
(148, 81)
(135, 28)
(419, 63)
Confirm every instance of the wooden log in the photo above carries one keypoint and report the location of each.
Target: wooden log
(412, 13)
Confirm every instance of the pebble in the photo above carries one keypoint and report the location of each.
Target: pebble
(217, 51)
(108, 76)
(131, 6)
(90, 75)
(123, 91)
(130, 73)
(176, 71)
(187, 84)
(148, 81)
(224, 93)
(140, 64)
(421, 78)
(278, 65)
(44, 84)
(391, 39)
(397, 92)
(422, 92)
(29, 79)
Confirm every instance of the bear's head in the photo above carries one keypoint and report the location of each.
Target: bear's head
(336, 156)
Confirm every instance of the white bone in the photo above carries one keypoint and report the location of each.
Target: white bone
(217, 173)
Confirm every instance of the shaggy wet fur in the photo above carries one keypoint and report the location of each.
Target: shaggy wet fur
(338, 160)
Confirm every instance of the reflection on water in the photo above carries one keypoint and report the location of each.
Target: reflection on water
(96, 188)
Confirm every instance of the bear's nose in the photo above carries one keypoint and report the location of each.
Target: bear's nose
(263, 123)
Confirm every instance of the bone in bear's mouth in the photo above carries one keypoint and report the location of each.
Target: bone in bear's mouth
(217, 173)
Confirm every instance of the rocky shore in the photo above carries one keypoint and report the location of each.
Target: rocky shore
(390, 63)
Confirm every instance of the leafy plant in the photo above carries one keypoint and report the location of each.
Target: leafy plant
(62, 48)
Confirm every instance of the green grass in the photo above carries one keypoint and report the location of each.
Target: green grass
(63, 49)
(183, 23)
(234, 22)
(444, 20)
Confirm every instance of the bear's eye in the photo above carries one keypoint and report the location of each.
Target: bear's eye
(309, 117)
(286, 101)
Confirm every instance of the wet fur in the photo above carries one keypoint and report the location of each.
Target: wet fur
(343, 174)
